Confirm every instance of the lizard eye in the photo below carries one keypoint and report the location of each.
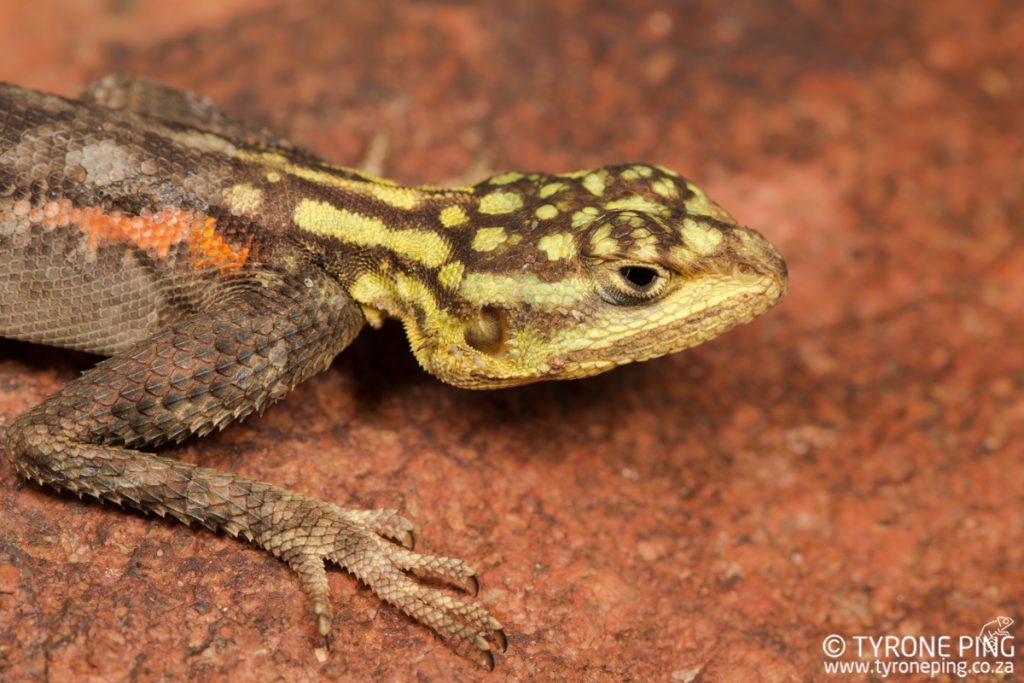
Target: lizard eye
(631, 284)
(639, 277)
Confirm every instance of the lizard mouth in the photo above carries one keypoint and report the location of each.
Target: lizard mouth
(705, 308)
(696, 321)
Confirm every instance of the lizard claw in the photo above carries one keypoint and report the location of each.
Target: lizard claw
(486, 659)
(356, 541)
(500, 638)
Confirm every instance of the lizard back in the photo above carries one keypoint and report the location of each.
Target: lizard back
(112, 224)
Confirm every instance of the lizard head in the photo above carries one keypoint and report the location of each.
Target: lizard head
(566, 276)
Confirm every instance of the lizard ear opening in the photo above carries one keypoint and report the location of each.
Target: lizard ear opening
(487, 332)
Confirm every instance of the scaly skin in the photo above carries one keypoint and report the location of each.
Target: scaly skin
(219, 265)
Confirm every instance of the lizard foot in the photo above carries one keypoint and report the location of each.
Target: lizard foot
(360, 542)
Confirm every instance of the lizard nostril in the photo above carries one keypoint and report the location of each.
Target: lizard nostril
(744, 270)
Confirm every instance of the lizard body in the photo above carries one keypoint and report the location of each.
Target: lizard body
(219, 265)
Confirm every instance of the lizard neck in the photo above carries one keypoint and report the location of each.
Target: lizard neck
(399, 251)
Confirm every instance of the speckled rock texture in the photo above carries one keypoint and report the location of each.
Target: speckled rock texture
(851, 463)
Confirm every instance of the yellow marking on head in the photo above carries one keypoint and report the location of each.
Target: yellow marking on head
(594, 182)
(700, 204)
(450, 275)
(575, 174)
(546, 212)
(645, 244)
(636, 203)
(506, 178)
(642, 170)
(488, 239)
(701, 238)
(452, 216)
(558, 246)
(550, 189)
(665, 187)
(585, 216)
(602, 244)
(514, 239)
(274, 177)
(244, 199)
(322, 218)
(500, 202)
(631, 218)
(488, 288)
(644, 251)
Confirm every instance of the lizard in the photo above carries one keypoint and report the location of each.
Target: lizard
(216, 265)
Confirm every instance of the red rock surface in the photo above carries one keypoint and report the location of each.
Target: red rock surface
(849, 464)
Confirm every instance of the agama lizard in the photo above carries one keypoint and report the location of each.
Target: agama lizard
(219, 265)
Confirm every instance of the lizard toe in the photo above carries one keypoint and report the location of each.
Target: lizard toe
(358, 541)
(387, 523)
(467, 627)
(313, 575)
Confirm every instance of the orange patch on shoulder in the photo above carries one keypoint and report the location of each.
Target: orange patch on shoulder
(209, 248)
(156, 233)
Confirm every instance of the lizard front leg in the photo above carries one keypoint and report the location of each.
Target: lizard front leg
(270, 331)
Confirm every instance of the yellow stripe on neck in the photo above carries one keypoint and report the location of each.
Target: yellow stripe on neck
(322, 218)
